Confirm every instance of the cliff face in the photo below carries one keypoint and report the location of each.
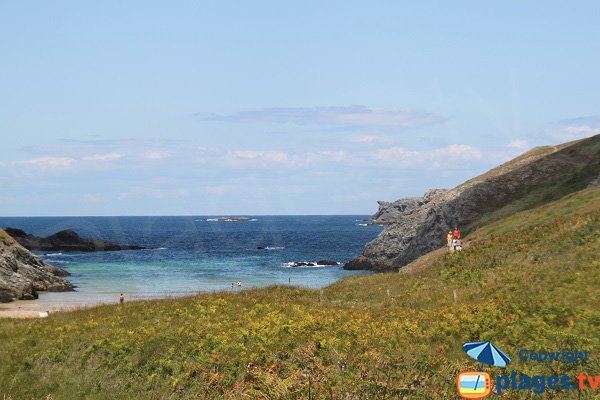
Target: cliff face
(415, 226)
(22, 274)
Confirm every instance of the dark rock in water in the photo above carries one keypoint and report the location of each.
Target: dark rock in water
(14, 232)
(327, 262)
(66, 240)
(23, 274)
(414, 226)
(242, 219)
(312, 264)
(261, 248)
(302, 264)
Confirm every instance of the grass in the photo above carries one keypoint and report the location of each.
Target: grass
(575, 164)
(526, 281)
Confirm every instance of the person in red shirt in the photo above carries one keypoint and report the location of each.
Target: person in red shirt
(456, 233)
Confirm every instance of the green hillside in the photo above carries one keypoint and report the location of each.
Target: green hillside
(573, 165)
(526, 281)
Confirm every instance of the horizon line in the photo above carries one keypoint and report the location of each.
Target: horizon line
(183, 215)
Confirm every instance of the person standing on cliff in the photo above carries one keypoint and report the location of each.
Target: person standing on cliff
(121, 299)
(456, 233)
(458, 245)
(449, 238)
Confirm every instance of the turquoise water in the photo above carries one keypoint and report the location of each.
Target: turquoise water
(186, 255)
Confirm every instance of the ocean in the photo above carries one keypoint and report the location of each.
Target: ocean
(187, 254)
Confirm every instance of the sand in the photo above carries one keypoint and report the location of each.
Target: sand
(39, 310)
(53, 302)
(49, 303)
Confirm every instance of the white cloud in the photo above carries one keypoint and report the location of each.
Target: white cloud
(271, 156)
(156, 155)
(518, 144)
(57, 164)
(574, 132)
(458, 152)
(140, 193)
(268, 159)
(343, 116)
(45, 163)
(574, 128)
(398, 154)
(435, 157)
(102, 157)
(247, 157)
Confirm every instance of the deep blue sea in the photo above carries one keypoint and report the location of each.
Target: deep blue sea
(190, 254)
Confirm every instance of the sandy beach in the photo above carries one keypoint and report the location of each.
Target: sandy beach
(53, 302)
(31, 309)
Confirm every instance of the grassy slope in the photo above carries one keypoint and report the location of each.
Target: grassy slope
(583, 157)
(527, 281)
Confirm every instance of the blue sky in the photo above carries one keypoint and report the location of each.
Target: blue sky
(174, 108)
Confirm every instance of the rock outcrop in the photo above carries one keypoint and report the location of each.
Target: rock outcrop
(415, 226)
(66, 240)
(390, 212)
(23, 274)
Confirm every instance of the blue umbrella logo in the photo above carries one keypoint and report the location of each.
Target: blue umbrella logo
(486, 353)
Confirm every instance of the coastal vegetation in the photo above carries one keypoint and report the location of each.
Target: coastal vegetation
(529, 280)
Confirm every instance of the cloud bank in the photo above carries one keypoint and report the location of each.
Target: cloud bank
(342, 116)
(574, 128)
(435, 157)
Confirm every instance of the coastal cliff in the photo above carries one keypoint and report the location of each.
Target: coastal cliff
(23, 274)
(415, 226)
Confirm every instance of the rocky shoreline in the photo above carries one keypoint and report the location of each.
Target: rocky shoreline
(23, 274)
(66, 240)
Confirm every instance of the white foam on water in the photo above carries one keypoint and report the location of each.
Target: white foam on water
(313, 264)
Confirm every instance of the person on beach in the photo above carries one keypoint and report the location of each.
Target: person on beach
(449, 239)
(231, 285)
(121, 299)
(240, 284)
